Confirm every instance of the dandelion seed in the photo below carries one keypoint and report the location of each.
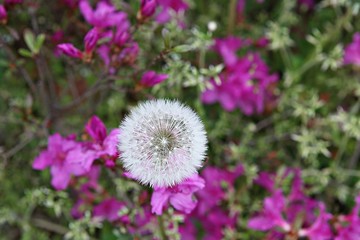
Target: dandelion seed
(162, 143)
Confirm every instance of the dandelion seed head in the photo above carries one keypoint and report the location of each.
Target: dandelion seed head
(162, 142)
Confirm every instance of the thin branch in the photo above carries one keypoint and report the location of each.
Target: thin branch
(18, 147)
(49, 226)
(355, 157)
(21, 70)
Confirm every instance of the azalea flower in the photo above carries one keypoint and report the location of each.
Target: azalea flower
(65, 157)
(169, 8)
(214, 191)
(90, 41)
(147, 8)
(352, 51)
(151, 78)
(162, 143)
(3, 14)
(109, 210)
(348, 227)
(227, 48)
(105, 15)
(180, 196)
(245, 85)
(103, 145)
(320, 229)
(271, 215)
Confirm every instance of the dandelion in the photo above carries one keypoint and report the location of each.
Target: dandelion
(162, 143)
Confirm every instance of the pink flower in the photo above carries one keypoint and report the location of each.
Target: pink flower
(240, 7)
(168, 6)
(214, 192)
(91, 39)
(103, 145)
(214, 223)
(109, 209)
(308, 4)
(245, 84)
(70, 50)
(105, 14)
(87, 193)
(227, 48)
(179, 196)
(129, 54)
(65, 157)
(122, 34)
(147, 8)
(271, 216)
(13, 2)
(151, 78)
(352, 51)
(349, 227)
(320, 229)
(266, 180)
(261, 42)
(3, 14)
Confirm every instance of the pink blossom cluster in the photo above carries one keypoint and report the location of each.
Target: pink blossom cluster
(297, 215)
(200, 199)
(68, 157)
(109, 36)
(111, 33)
(245, 83)
(213, 218)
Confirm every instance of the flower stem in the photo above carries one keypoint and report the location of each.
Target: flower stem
(232, 16)
(162, 227)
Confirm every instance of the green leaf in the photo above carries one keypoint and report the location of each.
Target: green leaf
(25, 53)
(182, 48)
(39, 42)
(30, 40)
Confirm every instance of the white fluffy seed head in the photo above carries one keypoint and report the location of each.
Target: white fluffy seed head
(162, 142)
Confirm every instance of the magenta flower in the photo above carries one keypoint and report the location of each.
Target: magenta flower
(240, 7)
(308, 4)
(168, 6)
(320, 229)
(266, 180)
(214, 192)
(105, 15)
(227, 48)
(3, 14)
(13, 2)
(349, 225)
(215, 221)
(91, 39)
(70, 50)
(103, 145)
(87, 193)
(179, 196)
(352, 51)
(122, 34)
(151, 78)
(65, 157)
(271, 216)
(109, 210)
(129, 54)
(246, 85)
(147, 8)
